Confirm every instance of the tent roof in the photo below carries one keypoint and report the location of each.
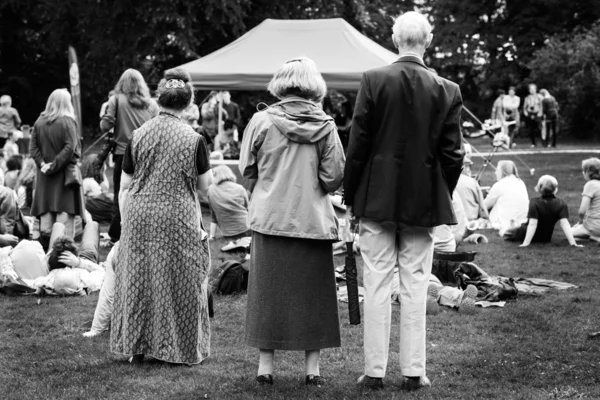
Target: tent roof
(341, 52)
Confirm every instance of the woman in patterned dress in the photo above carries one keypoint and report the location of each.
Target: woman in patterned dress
(160, 305)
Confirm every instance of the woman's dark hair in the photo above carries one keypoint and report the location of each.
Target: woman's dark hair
(90, 170)
(63, 243)
(14, 163)
(500, 92)
(175, 98)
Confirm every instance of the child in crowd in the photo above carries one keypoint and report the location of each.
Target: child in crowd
(13, 166)
(11, 148)
(544, 212)
(588, 225)
(9, 119)
(98, 198)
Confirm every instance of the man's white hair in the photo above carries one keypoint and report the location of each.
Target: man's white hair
(411, 30)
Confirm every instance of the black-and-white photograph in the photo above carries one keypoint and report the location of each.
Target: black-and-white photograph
(313, 199)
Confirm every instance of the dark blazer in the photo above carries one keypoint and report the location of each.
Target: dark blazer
(405, 152)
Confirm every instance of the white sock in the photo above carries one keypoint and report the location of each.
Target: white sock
(265, 362)
(312, 362)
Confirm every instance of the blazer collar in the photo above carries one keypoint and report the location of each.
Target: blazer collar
(411, 58)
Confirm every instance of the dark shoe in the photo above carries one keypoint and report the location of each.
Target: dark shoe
(137, 359)
(370, 383)
(414, 383)
(266, 379)
(315, 380)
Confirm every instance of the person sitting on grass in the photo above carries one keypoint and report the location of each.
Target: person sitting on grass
(588, 225)
(13, 165)
(544, 212)
(228, 202)
(507, 200)
(99, 200)
(470, 193)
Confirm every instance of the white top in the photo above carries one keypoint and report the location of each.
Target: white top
(509, 202)
(447, 237)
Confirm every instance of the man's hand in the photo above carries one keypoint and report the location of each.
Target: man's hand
(45, 168)
(69, 259)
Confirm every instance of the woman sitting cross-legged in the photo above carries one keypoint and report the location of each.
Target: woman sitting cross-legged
(229, 207)
(544, 212)
(508, 200)
(589, 210)
(294, 153)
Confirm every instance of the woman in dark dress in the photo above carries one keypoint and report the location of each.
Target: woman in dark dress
(161, 273)
(54, 145)
(293, 152)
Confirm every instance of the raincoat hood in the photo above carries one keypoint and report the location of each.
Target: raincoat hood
(300, 120)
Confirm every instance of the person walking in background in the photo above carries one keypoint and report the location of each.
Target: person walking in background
(512, 118)
(588, 225)
(232, 109)
(498, 107)
(9, 118)
(404, 160)
(532, 110)
(135, 106)
(295, 156)
(161, 276)
(54, 145)
(550, 117)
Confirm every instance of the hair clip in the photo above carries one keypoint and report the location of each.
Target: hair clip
(294, 60)
(174, 84)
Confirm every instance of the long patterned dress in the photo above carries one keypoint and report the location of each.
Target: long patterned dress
(160, 305)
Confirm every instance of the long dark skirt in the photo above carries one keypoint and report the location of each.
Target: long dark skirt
(292, 301)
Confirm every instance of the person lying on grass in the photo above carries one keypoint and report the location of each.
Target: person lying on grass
(67, 269)
(544, 212)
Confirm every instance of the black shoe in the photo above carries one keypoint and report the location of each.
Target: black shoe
(315, 380)
(368, 382)
(414, 383)
(266, 379)
(137, 359)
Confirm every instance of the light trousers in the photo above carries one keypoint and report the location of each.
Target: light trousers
(383, 246)
(104, 308)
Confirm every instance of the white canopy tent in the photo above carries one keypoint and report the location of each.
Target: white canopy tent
(341, 52)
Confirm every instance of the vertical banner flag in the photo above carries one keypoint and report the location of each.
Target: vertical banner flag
(75, 87)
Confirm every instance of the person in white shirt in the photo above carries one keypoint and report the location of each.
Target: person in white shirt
(508, 201)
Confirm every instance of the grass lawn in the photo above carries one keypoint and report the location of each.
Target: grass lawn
(534, 348)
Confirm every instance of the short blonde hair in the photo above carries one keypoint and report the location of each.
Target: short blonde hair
(223, 173)
(507, 168)
(412, 29)
(58, 105)
(5, 100)
(298, 77)
(591, 168)
(547, 185)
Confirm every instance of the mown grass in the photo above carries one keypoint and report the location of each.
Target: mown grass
(534, 348)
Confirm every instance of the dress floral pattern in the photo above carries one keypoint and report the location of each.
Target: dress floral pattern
(160, 305)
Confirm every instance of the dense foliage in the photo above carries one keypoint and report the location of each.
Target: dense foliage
(484, 45)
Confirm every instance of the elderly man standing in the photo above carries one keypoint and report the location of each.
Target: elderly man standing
(404, 160)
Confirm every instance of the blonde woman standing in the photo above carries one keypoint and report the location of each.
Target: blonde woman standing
(127, 110)
(293, 151)
(54, 145)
